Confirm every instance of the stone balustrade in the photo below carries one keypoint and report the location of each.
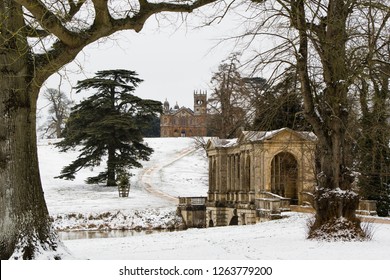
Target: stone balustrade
(192, 201)
(367, 207)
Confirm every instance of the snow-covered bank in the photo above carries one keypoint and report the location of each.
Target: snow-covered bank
(133, 220)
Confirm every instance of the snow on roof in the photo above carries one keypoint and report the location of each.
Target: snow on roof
(222, 143)
(253, 136)
(257, 136)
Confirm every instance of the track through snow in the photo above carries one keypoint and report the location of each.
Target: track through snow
(148, 173)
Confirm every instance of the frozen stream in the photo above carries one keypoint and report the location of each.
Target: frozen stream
(74, 235)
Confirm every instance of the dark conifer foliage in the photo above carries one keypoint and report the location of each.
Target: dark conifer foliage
(152, 129)
(280, 105)
(108, 125)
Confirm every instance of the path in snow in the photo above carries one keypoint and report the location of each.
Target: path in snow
(147, 174)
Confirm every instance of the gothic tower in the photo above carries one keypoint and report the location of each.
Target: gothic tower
(200, 103)
(185, 122)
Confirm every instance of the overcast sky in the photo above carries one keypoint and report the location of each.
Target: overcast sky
(172, 63)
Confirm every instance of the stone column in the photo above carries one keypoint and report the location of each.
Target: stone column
(211, 187)
(236, 171)
(228, 173)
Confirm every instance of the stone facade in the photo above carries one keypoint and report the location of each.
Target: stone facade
(258, 175)
(184, 122)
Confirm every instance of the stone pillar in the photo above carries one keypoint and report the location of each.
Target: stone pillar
(247, 177)
(222, 168)
(236, 171)
(228, 173)
(243, 185)
(211, 186)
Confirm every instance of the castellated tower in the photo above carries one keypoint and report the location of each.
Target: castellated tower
(200, 102)
(184, 122)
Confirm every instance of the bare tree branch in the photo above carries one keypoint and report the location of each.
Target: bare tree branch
(51, 22)
(70, 43)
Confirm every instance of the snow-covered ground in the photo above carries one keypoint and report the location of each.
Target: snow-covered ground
(177, 169)
(277, 240)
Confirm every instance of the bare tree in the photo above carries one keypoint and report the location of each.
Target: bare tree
(37, 38)
(328, 111)
(239, 102)
(334, 201)
(227, 110)
(58, 113)
(321, 40)
(372, 86)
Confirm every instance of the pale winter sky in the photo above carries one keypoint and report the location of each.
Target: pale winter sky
(172, 61)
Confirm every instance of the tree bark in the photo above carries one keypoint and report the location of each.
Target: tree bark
(335, 202)
(25, 226)
(111, 167)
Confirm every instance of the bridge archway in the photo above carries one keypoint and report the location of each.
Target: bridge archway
(284, 176)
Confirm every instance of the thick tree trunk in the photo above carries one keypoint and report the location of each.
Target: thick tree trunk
(25, 226)
(58, 127)
(111, 167)
(335, 202)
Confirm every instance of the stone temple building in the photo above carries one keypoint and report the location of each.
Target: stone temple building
(255, 177)
(258, 175)
(184, 122)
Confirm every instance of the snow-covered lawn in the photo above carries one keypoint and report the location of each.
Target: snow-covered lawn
(75, 196)
(276, 240)
(176, 170)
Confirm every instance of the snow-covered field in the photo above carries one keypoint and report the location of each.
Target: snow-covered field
(79, 206)
(176, 169)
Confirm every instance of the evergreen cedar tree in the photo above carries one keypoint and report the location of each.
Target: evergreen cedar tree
(109, 124)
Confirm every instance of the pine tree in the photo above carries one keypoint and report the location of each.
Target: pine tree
(109, 124)
(227, 102)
